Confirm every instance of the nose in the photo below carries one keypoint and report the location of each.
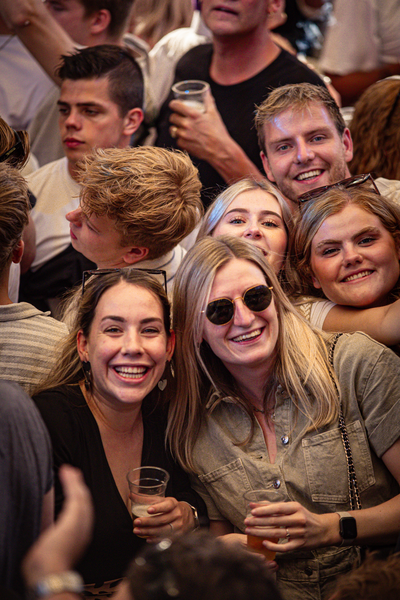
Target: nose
(131, 343)
(252, 232)
(75, 216)
(72, 120)
(243, 316)
(351, 254)
(304, 152)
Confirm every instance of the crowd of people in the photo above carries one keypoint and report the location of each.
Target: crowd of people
(214, 293)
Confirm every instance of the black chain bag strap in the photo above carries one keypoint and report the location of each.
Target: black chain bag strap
(354, 495)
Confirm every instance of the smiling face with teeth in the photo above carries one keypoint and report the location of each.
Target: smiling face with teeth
(246, 345)
(304, 150)
(127, 345)
(354, 259)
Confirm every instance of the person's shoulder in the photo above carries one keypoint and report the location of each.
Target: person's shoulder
(294, 70)
(389, 188)
(66, 396)
(13, 398)
(359, 347)
(198, 53)
(53, 168)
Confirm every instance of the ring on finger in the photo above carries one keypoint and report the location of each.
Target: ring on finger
(173, 131)
(287, 534)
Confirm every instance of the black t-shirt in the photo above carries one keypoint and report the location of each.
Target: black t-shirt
(76, 440)
(236, 105)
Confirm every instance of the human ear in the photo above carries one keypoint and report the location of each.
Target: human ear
(82, 346)
(100, 21)
(18, 252)
(347, 145)
(315, 281)
(132, 121)
(135, 254)
(267, 167)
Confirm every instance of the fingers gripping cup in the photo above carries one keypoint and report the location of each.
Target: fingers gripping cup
(192, 92)
(146, 486)
(259, 497)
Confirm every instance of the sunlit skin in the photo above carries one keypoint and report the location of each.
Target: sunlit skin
(354, 259)
(127, 346)
(304, 151)
(246, 345)
(96, 238)
(88, 119)
(256, 216)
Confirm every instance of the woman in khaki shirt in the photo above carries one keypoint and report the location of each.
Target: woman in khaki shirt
(257, 407)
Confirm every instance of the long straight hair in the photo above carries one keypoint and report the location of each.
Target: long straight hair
(301, 358)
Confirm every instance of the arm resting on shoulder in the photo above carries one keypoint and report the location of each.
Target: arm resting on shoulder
(352, 85)
(382, 322)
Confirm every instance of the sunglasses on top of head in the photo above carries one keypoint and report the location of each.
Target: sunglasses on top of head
(221, 311)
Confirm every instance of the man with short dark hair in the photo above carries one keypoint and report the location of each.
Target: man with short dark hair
(100, 106)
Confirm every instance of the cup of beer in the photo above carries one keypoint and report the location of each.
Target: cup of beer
(259, 497)
(147, 486)
(192, 92)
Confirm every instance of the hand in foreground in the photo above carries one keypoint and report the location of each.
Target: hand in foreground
(291, 521)
(63, 543)
(169, 517)
(239, 540)
(203, 135)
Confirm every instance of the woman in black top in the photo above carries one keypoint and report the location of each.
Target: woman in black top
(100, 406)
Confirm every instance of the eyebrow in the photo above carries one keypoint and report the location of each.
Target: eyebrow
(122, 320)
(353, 237)
(309, 133)
(245, 211)
(80, 104)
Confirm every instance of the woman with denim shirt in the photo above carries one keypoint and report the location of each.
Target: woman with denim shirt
(257, 406)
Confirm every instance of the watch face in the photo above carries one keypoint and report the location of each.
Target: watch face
(348, 528)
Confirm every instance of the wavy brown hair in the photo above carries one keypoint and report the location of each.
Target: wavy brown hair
(375, 129)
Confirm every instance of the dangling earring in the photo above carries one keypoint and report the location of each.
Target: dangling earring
(87, 371)
(162, 384)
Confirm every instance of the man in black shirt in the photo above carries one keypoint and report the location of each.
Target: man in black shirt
(242, 66)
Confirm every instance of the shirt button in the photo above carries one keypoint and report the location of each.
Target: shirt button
(308, 571)
(276, 484)
(285, 440)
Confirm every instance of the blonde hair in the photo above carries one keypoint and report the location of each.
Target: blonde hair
(301, 363)
(152, 19)
(8, 139)
(152, 194)
(375, 129)
(310, 218)
(296, 97)
(221, 203)
(14, 212)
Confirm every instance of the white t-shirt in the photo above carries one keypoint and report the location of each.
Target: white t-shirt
(56, 195)
(362, 35)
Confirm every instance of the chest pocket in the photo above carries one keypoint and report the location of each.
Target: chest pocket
(226, 486)
(326, 465)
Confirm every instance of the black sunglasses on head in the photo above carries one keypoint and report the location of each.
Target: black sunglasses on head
(15, 149)
(346, 183)
(87, 274)
(221, 311)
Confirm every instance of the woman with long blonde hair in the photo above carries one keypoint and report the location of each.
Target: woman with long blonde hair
(265, 401)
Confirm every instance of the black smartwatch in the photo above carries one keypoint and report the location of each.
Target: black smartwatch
(347, 528)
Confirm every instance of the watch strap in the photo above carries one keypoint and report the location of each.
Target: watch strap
(56, 583)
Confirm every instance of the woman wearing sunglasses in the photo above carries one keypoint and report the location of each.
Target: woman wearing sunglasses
(257, 406)
(255, 211)
(102, 406)
(344, 260)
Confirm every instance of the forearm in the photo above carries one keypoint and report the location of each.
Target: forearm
(45, 39)
(382, 323)
(232, 163)
(352, 85)
(379, 525)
